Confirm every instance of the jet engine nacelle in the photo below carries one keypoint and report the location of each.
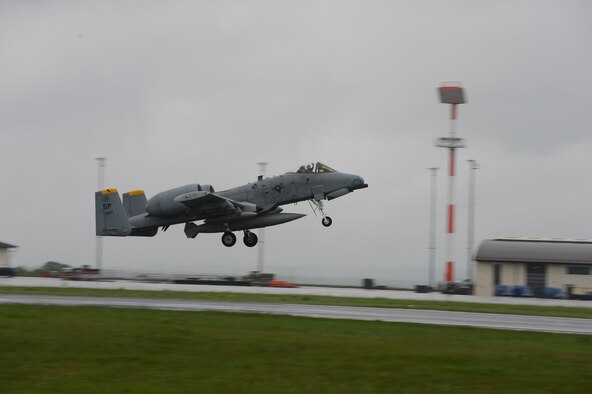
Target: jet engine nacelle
(164, 204)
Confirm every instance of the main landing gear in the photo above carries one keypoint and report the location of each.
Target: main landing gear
(318, 206)
(250, 239)
(229, 239)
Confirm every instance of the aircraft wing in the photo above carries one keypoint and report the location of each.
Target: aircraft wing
(206, 201)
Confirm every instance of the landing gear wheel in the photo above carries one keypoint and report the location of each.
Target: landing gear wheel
(317, 205)
(250, 239)
(228, 239)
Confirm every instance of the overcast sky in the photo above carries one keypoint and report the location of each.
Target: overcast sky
(178, 92)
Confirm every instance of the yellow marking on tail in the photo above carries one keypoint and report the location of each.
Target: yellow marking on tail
(136, 192)
(109, 190)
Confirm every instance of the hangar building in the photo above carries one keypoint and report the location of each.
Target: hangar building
(538, 263)
(4, 260)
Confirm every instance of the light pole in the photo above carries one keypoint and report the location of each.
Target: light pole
(261, 232)
(453, 94)
(101, 163)
(432, 245)
(473, 166)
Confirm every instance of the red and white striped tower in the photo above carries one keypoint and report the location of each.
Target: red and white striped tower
(453, 94)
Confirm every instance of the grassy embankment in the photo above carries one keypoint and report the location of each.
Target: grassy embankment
(313, 300)
(104, 350)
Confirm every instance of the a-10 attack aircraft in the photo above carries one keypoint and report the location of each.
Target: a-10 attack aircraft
(246, 207)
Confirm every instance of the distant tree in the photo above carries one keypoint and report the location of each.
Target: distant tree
(22, 271)
(53, 266)
(47, 267)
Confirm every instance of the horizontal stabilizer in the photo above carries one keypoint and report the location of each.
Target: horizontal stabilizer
(111, 218)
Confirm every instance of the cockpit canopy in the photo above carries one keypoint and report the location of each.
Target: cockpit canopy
(314, 168)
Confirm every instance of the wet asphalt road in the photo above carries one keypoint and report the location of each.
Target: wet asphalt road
(483, 320)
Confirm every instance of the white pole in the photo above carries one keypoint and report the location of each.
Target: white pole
(432, 245)
(471, 228)
(261, 231)
(101, 163)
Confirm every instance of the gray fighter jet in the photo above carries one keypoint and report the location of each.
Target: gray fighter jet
(242, 208)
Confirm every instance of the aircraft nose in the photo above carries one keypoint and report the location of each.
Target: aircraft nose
(358, 182)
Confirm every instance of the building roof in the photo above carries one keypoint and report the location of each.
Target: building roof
(4, 245)
(536, 250)
(543, 239)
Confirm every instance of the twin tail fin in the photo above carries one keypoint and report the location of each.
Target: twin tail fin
(111, 215)
(134, 203)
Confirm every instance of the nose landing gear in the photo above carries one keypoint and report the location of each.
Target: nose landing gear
(318, 206)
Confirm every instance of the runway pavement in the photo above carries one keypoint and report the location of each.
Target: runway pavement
(484, 320)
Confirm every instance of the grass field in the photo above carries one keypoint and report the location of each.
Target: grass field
(101, 350)
(558, 311)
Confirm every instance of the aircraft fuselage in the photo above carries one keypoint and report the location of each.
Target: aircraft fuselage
(267, 194)
(242, 208)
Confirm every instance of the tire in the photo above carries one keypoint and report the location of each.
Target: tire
(327, 221)
(228, 239)
(250, 240)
